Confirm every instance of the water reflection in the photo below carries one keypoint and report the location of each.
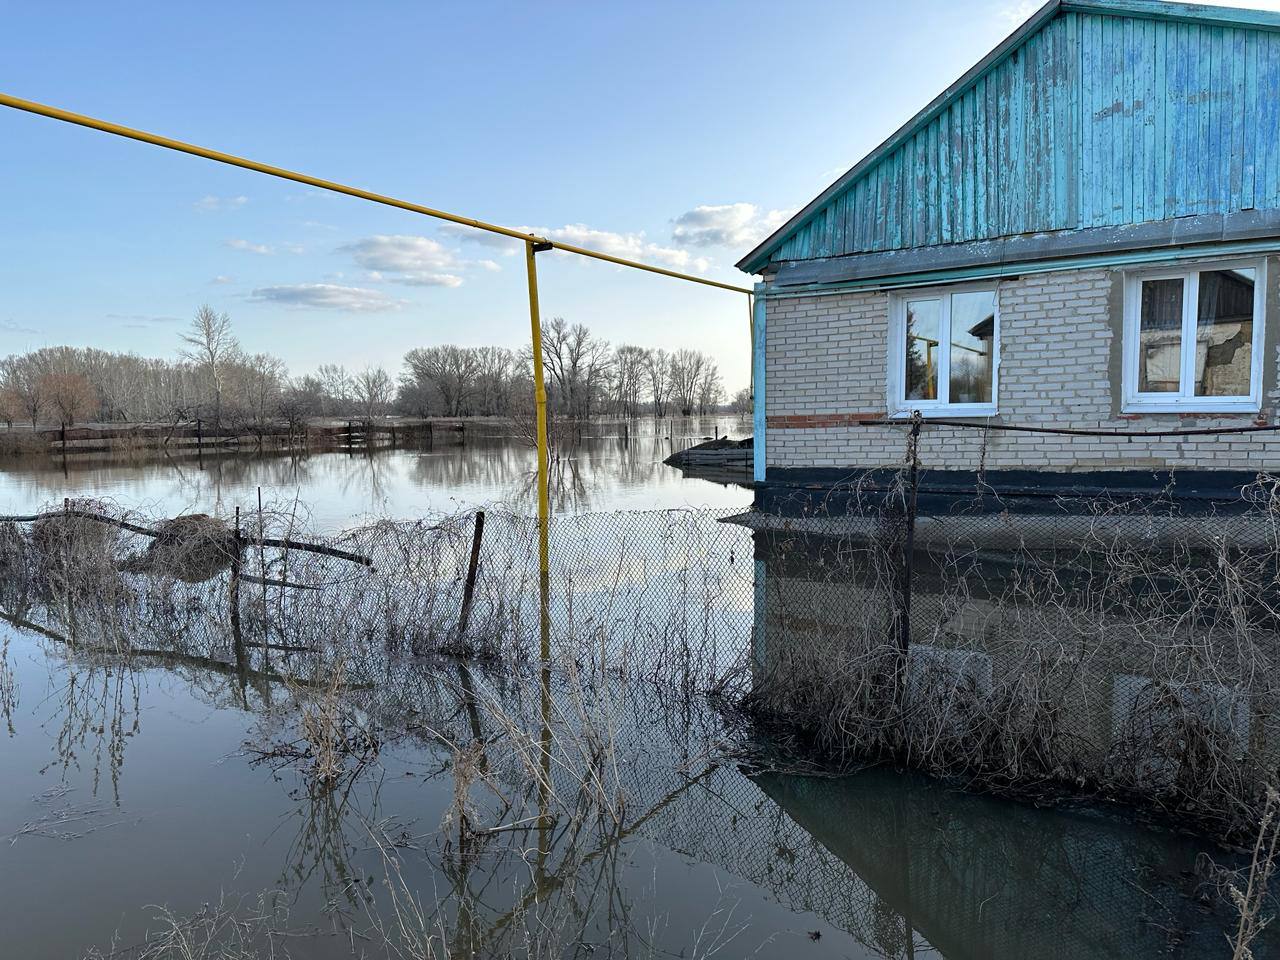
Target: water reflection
(590, 806)
(616, 466)
(880, 864)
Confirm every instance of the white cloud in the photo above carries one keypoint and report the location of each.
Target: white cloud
(141, 321)
(735, 225)
(327, 296)
(12, 326)
(259, 248)
(221, 279)
(630, 246)
(211, 204)
(495, 241)
(1014, 14)
(412, 260)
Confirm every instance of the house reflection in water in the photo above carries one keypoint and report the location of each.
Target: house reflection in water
(1001, 605)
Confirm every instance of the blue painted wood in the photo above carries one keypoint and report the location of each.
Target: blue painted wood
(1095, 119)
(758, 382)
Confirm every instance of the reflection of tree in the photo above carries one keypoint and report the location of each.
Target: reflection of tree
(97, 714)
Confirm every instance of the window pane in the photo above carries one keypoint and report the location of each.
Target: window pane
(924, 319)
(1160, 337)
(973, 331)
(1224, 333)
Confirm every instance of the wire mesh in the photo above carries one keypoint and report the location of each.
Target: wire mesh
(1107, 644)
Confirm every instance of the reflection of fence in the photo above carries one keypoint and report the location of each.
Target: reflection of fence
(195, 437)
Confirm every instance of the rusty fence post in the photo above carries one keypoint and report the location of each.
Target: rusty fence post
(468, 590)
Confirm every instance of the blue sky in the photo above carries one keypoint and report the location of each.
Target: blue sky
(675, 133)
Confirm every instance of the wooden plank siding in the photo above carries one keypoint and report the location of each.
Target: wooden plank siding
(1092, 121)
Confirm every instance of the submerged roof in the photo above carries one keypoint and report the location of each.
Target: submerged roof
(1091, 114)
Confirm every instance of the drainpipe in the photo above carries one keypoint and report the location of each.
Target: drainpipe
(758, 382)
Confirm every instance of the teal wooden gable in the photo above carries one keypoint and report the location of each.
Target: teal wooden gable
(1093, 115)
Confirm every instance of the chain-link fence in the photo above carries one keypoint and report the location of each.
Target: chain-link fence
(1105, 643)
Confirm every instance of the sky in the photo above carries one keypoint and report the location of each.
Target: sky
(671, 132)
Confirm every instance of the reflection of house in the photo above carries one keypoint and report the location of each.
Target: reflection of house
(989, 880)
(1080, 232)
(1129, 669)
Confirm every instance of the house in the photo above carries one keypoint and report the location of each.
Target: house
(1082, 232)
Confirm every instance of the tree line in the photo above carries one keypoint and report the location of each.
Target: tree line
(215, 380)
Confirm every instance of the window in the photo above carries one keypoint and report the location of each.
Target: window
(1193, 339)
(944, 354)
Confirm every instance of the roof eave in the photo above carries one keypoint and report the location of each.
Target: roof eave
(756, 260)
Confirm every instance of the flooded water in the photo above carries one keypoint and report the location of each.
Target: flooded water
(281, 758)
(130, 787)
(616, 466)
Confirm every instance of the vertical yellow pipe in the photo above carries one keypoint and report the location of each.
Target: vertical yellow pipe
(544, 559)
(540, 402)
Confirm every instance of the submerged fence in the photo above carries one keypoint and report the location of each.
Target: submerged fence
(1104, 644)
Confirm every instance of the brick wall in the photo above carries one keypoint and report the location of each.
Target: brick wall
(1059, 365)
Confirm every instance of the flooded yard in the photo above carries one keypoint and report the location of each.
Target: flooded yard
(617, 466)
(272, 752)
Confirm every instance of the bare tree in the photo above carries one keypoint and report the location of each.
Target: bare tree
(628, 379)
(495, 369)
(657, 365)
(579, 365)
(336, 388)
(211, 346)
(686, 377)
(266, 376)
(374, 391)
(70, 396)
(741, 402)
(448, 371)
(710, 387)
(23, 389)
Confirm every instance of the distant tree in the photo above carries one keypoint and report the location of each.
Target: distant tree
(374, 390)
(657, 365)
(211, 347)
(710, 387)
(265, 381)
(687, 367)
(451, 373)
(578, 365)
(741, 402)
(337, 389)
(70, 396)
(23, 389)
(628, 370)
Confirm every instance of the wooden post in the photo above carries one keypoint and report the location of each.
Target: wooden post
(233, 601)
(472, 568)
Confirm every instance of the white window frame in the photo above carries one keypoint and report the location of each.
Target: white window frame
(899, 405)
(1185, 401)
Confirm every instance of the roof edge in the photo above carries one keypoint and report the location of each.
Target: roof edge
(757, 258)
(1142, 9)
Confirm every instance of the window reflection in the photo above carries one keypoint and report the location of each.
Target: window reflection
(973, 328)
(924, 320)
(1160, 337)
(1224, 333)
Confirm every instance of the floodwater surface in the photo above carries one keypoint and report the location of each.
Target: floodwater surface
(303, 756)
(615, 466)
(134, 792)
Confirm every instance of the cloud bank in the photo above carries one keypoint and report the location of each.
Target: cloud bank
(327, 296)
